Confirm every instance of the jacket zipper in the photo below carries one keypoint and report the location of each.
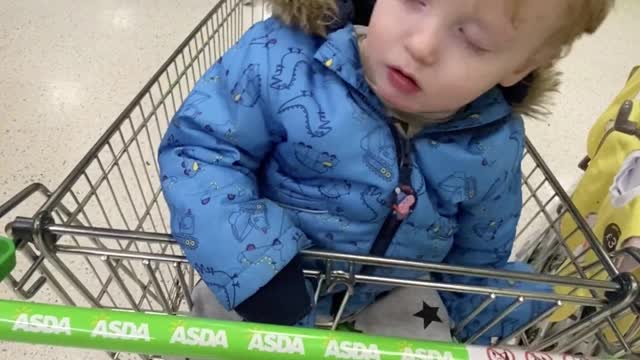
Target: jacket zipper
(393, 221)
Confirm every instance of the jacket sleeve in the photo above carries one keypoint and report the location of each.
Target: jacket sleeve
(486, 232)
(243, 245)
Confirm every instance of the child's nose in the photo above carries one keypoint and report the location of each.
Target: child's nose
(424, 45)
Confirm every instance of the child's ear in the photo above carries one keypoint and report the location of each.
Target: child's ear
(517, 75)
(544, 58)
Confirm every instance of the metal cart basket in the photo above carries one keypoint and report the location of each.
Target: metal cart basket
(108, 222)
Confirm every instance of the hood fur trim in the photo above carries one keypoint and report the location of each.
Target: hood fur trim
(314, 16)
(545, 83)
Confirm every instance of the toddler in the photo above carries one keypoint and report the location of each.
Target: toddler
(398, 136)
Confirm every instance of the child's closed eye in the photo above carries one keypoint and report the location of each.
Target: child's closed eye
(471, 43)
(420, 3)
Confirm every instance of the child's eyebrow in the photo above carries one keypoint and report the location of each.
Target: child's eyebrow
(496, 30)
(498, 26)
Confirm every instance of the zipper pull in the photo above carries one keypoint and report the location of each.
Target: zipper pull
(405, 202)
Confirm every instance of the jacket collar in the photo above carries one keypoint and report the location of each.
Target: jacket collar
(339, 53)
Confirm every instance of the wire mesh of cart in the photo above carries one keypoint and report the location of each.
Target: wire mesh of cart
(108, 222)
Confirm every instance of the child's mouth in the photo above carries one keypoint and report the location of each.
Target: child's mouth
(402, 82)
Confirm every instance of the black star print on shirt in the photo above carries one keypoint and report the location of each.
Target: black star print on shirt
(428, 314)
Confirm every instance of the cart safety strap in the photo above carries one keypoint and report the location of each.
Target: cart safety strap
(7, 257)
(168, 335)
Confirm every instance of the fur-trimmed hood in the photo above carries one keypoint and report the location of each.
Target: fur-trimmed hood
(530, 97)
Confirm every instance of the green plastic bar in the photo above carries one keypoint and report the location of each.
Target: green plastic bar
(7, 257)
(156, 334)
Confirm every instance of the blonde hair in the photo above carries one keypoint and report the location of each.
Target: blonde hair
(580, 17)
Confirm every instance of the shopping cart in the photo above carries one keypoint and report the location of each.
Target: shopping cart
(99, 243)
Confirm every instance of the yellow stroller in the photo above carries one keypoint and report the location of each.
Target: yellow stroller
(608, 198)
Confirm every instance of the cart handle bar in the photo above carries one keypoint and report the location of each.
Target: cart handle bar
(169, 335)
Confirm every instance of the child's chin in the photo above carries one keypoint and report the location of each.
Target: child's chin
(407, 104)
(396, 101)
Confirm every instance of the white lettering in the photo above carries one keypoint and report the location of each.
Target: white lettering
(199, 337)
(352, 351)
(425, 354)
(45, 324)
(276, 343)
(123, 330)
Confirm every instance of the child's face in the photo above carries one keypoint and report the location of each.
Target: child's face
(436, 56)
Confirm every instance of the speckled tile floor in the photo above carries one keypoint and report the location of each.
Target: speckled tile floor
(67, 70)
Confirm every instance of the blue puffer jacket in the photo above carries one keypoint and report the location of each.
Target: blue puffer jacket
(282, 146)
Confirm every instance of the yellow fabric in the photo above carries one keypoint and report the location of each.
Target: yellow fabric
(607, 150)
